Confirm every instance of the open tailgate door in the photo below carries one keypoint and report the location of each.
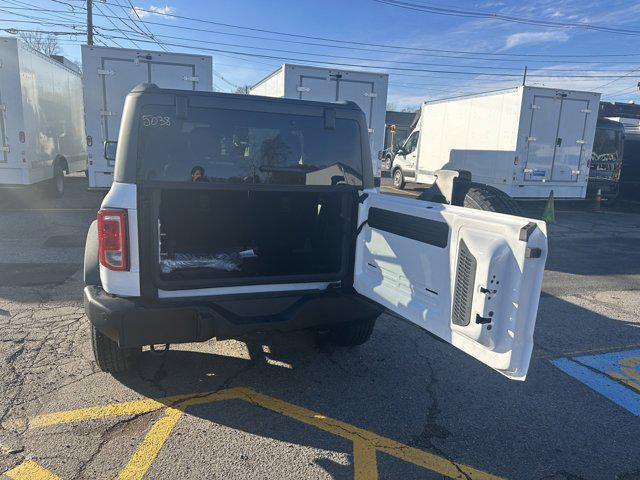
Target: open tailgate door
(471, 277)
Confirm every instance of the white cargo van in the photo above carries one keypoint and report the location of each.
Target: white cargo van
(110, 73)
(367, 89)
(41, 118)
(525, 141)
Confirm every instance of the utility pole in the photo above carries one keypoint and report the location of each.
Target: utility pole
(89, 22)
(524, 77)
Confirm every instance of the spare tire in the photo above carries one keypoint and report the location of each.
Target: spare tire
(488, 198)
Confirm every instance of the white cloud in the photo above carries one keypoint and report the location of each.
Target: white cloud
(532, 38)
(153, 10)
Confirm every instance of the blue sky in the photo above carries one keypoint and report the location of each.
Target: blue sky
(495, 46)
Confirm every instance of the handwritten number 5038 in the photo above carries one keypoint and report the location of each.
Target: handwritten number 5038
(156, 121)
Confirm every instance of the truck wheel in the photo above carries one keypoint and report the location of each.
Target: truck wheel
(57, 182)
(352, 333)
(109, 357)
(486, 197)
(398, 179)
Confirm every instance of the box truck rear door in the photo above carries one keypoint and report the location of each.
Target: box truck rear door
(321, 89)
(471, 277)
(541, 141)
(362, 94)
(172, 75)
(120, 76)
(570, 140)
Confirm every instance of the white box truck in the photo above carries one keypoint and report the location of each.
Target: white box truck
(108, 76)
(41, 118)
(526, 141)
(367, 89)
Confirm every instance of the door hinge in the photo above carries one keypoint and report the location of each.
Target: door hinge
(3, 108)
(0, 63)
(575, 172)
(191, 79)
(581, 142)
(535, 107)
(585, 110)
(102, 71)
(528, 170)
(5, 149)
(372, 95)
(531, 139)
(105, 113)
(482, 320)
(371, 130)
(303, 89)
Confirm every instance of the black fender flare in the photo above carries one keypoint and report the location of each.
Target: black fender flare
(91, 258)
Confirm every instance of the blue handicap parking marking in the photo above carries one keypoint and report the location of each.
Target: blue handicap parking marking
(614, 375)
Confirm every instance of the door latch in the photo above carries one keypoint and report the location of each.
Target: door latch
(482, 320)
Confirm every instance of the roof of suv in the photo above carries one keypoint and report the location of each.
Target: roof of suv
(152, 88)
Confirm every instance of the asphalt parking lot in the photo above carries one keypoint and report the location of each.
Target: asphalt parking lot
(291, 406)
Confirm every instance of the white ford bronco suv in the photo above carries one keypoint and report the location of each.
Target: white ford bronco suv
(234, 213)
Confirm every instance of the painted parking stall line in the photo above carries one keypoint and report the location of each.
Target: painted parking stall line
(614, 375)
(366, 444)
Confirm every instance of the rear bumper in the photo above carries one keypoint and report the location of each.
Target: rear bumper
(134, 322)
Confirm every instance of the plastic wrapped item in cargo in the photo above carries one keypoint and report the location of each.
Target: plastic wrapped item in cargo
(218, 261)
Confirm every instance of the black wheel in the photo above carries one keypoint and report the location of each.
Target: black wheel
(386, 163)
(352, 333)
(57, 182)
(109, 357)
(398, 179)
(486, 197)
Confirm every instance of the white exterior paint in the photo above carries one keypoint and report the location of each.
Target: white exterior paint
(124, 283)
(525, 141)
(416, 280)
(109, 74)
(42, 98)
(367, 89)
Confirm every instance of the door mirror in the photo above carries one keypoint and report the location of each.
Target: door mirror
(110, 149)
(400, 151)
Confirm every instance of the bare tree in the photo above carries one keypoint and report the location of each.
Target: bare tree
(243, 89)
(44, 43)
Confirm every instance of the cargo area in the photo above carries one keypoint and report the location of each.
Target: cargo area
(210, 237)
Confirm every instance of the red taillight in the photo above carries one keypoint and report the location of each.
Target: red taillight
(112, 239)
(89, 141)
(22, 137)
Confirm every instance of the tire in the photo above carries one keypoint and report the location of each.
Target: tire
(490, 199)
(109, 357)
(398, 179)
(352, 333)
(386, 163)
(56, 187)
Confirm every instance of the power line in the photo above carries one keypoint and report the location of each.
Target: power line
(490, 67)
(402, 69)
(133, 9)
(507, 18)
(113, 23)
(352, 42)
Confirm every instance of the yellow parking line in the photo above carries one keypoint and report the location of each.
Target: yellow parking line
(404, 452)
(135, 407)
(365, 448)
(30, 470)
(148, 450)
(365, 464)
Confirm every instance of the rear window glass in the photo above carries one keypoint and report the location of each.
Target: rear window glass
(236, 146)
